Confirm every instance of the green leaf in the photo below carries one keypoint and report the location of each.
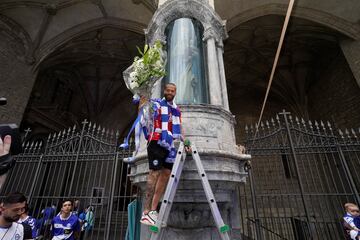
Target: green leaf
(141, 53)
(146, 48)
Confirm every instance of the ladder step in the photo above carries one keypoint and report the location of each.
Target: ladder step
(224, 228)
(154, 229)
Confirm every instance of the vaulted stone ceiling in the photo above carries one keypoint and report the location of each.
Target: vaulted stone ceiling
(48, 23)
(83, 79)
(249, 54)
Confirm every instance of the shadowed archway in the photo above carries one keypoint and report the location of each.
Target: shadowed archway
(83, 79)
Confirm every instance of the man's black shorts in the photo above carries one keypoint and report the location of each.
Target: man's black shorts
(157, 156)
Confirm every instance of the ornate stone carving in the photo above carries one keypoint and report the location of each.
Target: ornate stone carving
(174, 9)
(210, 33)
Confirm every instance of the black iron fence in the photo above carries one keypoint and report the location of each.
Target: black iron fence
(82, 164)
(302, 174)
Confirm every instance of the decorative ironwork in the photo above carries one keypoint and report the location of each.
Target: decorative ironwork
(83, 164)
(303, 172)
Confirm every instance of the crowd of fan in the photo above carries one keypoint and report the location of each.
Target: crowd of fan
(69, 223)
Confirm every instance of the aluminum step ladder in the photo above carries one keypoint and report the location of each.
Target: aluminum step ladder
(157, 230)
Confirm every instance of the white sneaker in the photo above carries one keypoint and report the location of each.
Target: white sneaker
(150, 218)
(153, 215)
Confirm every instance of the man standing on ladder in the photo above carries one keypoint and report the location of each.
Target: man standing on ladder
(161, 151)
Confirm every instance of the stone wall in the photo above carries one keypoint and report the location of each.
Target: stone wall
(351, 50)
(16, 76)
(335, 97)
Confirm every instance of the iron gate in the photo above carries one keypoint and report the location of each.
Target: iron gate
(302, 174)
(83, 164)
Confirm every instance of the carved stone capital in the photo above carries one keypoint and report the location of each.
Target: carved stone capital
(210, 33)
(174, 9)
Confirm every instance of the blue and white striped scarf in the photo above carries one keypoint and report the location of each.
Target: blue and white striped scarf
(167, 137)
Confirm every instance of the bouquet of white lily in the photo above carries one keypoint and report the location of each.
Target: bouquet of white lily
(146, 70)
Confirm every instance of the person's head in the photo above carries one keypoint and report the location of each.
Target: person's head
(12, 206)
(76, 203)
(89, 208)
(352, 208)
(66, 206)
(169, 91)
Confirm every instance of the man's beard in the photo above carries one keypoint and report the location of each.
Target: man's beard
(13, 219)
(169, 97)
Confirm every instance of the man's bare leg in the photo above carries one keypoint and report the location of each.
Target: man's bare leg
(152, 179)
(160, 187)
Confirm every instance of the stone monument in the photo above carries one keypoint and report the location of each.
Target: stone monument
(207, 121)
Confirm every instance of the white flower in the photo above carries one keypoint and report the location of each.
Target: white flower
(133, 84)
(146, 70)
(159, 63)
(133, 75)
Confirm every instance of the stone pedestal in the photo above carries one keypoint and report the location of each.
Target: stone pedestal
(210, 128)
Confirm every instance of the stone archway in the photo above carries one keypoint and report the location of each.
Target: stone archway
(331, 21)
(311, 72)
(82, 78)
(54, 43)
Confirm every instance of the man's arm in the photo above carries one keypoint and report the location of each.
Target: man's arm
(77, 229)
(350, 221)
(51, 228)
(77, 235)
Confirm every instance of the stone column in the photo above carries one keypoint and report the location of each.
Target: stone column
(212, 68)
(351, 50)
(224, 93)
(210, 127)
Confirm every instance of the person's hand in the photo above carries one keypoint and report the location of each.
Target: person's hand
(187, 145)
(188, 149)
(143, 101)
(5, 146)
